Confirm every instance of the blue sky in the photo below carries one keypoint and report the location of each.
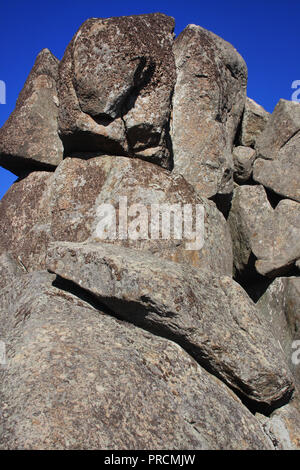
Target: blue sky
(265, 32)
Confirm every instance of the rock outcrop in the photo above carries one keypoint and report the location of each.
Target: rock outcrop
(149, 250)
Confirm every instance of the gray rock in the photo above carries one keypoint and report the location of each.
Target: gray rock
(212, 318)
(272, 236)
(29, 139)
(243, 159)
(254, 120)
(282, 125)
(282, 175)
(79, 379)
(25, 218)
(208, 102)
(64, 206)
(116, 81)
(283, 427)
(280, 306)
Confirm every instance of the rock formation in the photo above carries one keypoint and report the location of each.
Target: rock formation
(149, 251)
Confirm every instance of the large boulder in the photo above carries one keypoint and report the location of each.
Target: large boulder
(282, 174)
(78, 379)
(116, 81)
(211, 317)
(65, 206)
(25, 218)
(29, 139)
(280, 306)
(282, 125)
(208, 102)
(254, 120)
(271, 235)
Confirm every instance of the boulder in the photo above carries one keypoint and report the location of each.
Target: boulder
(280, 306)
(254, 120)
(271, 235)
(65, 206)
(208, 102)
(282, 125)
(116, 81)
(78, 379)
(283, 427)
(29, 139)
(282, 175)
(81, 187)
(211, 317)
(243, 159)
(25, 218)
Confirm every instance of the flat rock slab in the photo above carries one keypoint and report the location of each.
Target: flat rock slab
(208, 102)
(115, 86)
(78, 379)
(212, 318)
(271, 235)
(29, 139)
(282, 125)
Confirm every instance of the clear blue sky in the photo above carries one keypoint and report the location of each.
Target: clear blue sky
(265, 32)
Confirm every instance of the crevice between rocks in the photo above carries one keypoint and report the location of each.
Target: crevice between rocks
(138, 317)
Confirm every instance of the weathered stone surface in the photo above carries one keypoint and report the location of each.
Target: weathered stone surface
(9, 269)
(283, 427)
(282, 125)
(208, 102)
(282, 175)
(243, 159)
(255, 118)
(64, 206)
(212, 318)
(280, 306)
(29, 139)
(271, 235)
(116, 81)
(82, 186)
(25, 219)
(79, 379)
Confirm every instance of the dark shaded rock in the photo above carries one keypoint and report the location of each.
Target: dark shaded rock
(79, 379)
(208, 102)
(116, 81)
(282, 125)
(64, 206)
(212, 318)
(29, 139)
